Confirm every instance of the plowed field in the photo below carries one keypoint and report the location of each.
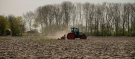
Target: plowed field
(91, 48)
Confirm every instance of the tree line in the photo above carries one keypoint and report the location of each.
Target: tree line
(106, 19)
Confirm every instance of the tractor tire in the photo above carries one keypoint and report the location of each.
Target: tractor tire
(70, 36)
(83, 37)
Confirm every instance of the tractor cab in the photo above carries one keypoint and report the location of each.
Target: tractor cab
(74, 30)
(75, 34)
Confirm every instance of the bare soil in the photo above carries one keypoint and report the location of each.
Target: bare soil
(91, 48)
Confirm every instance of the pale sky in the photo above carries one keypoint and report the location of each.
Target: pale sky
(18, 7)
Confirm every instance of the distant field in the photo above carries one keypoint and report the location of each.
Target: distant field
(44, 48)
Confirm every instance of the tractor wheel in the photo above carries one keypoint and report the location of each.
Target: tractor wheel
(71, 36)
(83, 37)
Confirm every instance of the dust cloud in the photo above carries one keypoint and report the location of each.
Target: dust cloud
(59, 34)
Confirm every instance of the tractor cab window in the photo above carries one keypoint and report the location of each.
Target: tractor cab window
(74, 30)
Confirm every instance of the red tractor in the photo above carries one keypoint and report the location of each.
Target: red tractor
(75, 34)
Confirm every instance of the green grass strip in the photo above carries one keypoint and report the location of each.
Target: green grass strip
(44, 40)
(33, 39)
(5, 39)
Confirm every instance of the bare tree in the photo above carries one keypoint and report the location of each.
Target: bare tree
(132, 19)
(79, 15)
(58, 15)
(86, 13)
(39, 15)
(29, 16)
(73, 13)
(66, 8)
